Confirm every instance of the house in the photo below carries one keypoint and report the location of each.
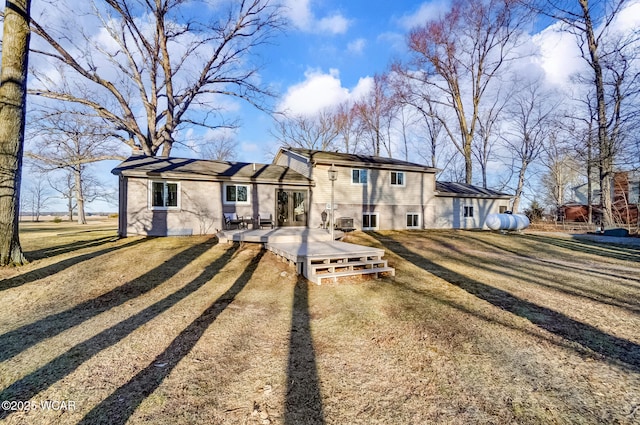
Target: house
(625, 197)
(176, 196)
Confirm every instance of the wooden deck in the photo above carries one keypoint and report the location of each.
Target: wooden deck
(278, 235)
(313, 253)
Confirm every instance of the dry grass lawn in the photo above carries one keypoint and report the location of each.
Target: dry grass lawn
(475, 328)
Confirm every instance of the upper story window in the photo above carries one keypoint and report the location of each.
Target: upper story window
(359, 176)
(397, 178)
(236, 194)
(164, 195)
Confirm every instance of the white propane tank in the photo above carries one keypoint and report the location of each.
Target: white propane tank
(507, 221)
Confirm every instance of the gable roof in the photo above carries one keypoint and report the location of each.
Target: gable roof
(350, 159)
(200, 169)
(464, 190)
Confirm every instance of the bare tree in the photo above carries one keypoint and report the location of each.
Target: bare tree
(375, 113)
(71, 141)
(349, 131)
(222, 147)
(562, 168)
(612, 73)
(319, 131)
(487, 134)
(531, 109)
(13, 86)
(36, 197)
(65, 186)
(455, 59)
(175, 66)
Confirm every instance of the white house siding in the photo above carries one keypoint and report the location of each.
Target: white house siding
(450, 211)
(392, 203)
(201, 207)
(295, 162)
(198, 212)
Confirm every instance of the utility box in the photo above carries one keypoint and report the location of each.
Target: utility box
(345, 224)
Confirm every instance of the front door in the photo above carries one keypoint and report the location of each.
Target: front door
(292, 208)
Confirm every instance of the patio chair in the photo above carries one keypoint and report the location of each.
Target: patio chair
(265, 220)
(232, 219)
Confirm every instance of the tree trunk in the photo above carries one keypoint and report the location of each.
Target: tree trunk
(13, 84)
(604, 143)
(468, 164)
(519, 188)
(589, 182)
(70, 206)
(79, 196)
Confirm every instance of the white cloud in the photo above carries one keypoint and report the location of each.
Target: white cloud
(302, 17)
(559, 52)
(320, 91)
(394, 40)
(335, 24)
(426, 12)
(559, 55)
(629, 19)
(299, 12)
(357, 46)
(364, 86)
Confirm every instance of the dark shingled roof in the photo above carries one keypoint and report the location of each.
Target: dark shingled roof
(200, 169)
(462, 190)
(326, 157)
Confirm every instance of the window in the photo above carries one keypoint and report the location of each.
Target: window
(467, 211)
(164, 195)
(369, 221)
(413, 221)
(397, 178)
(359, 176)
(236, 194)
(503, 209)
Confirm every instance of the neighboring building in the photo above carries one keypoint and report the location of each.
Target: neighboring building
(626, 197)
(171, 196)
(625, 194)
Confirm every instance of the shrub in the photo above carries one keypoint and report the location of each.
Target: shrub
(534, 212)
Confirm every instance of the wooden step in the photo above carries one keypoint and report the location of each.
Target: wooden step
(334, 276)
(345, 259)
(350, 266)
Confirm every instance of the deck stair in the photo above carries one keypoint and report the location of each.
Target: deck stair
(319, 261)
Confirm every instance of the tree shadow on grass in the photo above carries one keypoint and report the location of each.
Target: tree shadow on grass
(618, 252)
(595, 271)
(55, 250)
(57, 267)
(537, 272)
(20, 339)
(303, 404)
(42, 378)
(619, 350)
(122, 403)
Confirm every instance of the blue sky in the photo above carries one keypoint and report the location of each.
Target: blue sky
(327, 54)
(333, 48)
